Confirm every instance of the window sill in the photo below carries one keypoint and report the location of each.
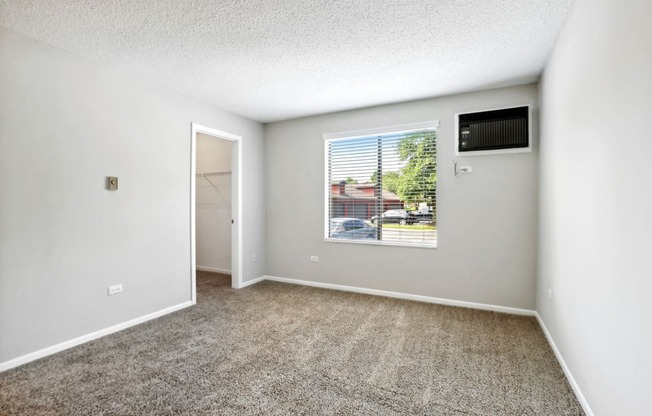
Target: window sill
(380, 243)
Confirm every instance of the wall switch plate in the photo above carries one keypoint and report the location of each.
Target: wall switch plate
(112, 183)
(549, 294)
(114, 290)
(253, 257)
(314, 259)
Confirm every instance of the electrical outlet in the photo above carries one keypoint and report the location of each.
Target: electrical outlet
(549, 294)
(114, 290)
(253, 257)
(314, 259)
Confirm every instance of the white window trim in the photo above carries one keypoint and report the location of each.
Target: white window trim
(354, 134)
(399, 128)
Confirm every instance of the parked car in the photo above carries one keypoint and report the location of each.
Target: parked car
(396, 216)
(423, 215)
(351, 228)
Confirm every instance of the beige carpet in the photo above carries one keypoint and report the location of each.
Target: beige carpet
(277, 349)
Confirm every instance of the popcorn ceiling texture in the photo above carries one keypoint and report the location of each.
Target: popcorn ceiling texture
(281, 59)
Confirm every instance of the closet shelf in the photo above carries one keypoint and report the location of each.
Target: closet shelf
(206, 175)
(203, 175)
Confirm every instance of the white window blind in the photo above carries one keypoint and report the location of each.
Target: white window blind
(381, 188)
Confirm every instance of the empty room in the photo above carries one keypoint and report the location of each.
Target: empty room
(347, 207)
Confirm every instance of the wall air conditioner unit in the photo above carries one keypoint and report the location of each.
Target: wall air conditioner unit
(505, 130)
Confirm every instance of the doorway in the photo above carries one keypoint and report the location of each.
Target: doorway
(215, 204)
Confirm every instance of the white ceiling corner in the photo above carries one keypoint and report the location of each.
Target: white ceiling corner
(280, 59)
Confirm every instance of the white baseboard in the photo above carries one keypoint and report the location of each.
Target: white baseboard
(88, 337)
(212, 269)
(398, 295)
(252, 282)
(567, 372)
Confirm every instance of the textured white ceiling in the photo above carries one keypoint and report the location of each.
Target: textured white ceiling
(278, 59)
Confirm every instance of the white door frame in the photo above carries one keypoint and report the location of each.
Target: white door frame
(236, 206)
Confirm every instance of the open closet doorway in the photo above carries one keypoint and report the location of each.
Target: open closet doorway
(215, 211)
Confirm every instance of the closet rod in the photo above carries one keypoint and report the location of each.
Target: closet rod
(212, 174)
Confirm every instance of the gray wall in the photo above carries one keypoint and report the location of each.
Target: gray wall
(486, 220)
(66, 124)
(596, 204)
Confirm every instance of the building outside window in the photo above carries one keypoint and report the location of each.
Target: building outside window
(381, 186)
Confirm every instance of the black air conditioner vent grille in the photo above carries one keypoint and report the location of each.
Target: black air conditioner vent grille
(494, 130)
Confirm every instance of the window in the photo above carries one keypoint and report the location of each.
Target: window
(381, 186)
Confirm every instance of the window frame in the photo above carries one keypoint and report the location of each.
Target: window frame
(359, 134)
